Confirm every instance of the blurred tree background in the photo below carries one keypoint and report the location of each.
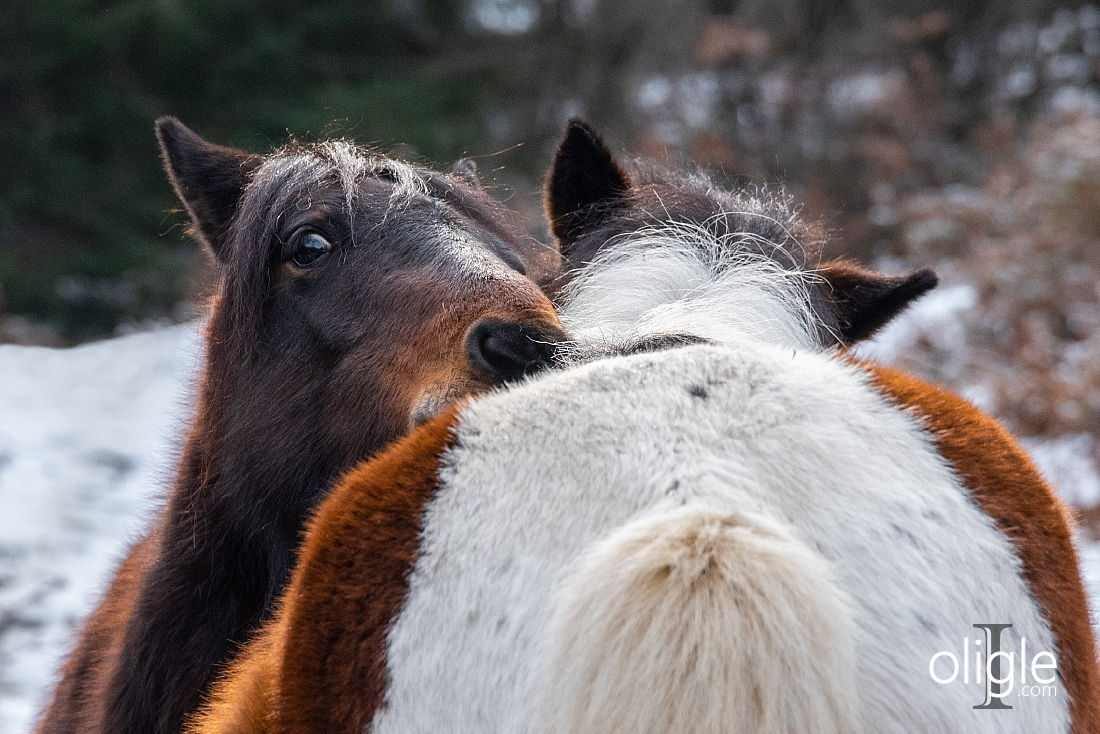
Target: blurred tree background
(772, 90)
(964, 135)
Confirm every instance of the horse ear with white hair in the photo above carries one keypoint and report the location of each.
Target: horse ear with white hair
(209, 179)
(583, 183)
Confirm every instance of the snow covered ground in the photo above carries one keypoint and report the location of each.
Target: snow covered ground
(87, 441)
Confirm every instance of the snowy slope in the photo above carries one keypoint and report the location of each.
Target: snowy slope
(87, 440)
(87, 437)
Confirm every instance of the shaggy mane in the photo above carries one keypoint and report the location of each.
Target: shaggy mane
(685, 258)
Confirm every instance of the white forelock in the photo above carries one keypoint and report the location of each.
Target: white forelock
(348, 164)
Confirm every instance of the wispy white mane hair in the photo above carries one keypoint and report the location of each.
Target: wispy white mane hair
(685, 279)
(344, 163)
(654, 255)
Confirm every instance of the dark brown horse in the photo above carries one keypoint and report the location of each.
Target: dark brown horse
(358, 296)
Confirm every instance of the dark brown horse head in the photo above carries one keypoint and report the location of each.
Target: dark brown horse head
(359, 294)
(592, 200)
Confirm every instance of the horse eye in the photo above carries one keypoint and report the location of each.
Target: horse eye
(309, 250)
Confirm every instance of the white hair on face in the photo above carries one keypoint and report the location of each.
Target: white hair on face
(351, 165)
(348, 164)
(681, 278)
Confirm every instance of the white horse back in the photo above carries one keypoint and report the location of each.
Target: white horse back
(812, 543)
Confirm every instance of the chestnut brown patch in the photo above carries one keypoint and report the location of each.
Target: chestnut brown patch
(320, 666)
(1006, 486)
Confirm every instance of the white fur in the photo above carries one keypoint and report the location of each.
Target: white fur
(565, 467)
(681, 278)
(741, 538)
(679, 620)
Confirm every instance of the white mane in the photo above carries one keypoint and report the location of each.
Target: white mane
(681, 278)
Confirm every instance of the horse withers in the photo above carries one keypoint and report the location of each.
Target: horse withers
(713, 520)
(358, 296)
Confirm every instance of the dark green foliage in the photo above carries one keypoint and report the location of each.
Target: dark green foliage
(87, 234)
(852, 106)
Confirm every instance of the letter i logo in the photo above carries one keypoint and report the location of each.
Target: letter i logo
(994, 686)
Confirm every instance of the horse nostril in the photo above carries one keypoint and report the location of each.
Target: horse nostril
(503, 351)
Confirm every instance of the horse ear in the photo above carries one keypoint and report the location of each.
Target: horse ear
(466, 169)
(208, 179)
(866, 300)
(584, 174)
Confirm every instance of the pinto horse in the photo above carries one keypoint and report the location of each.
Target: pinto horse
(711, 521)
(359, 296)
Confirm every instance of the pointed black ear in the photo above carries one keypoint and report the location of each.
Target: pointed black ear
(466, 169)
(208, 179)
(866, 300)
(584, 174)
